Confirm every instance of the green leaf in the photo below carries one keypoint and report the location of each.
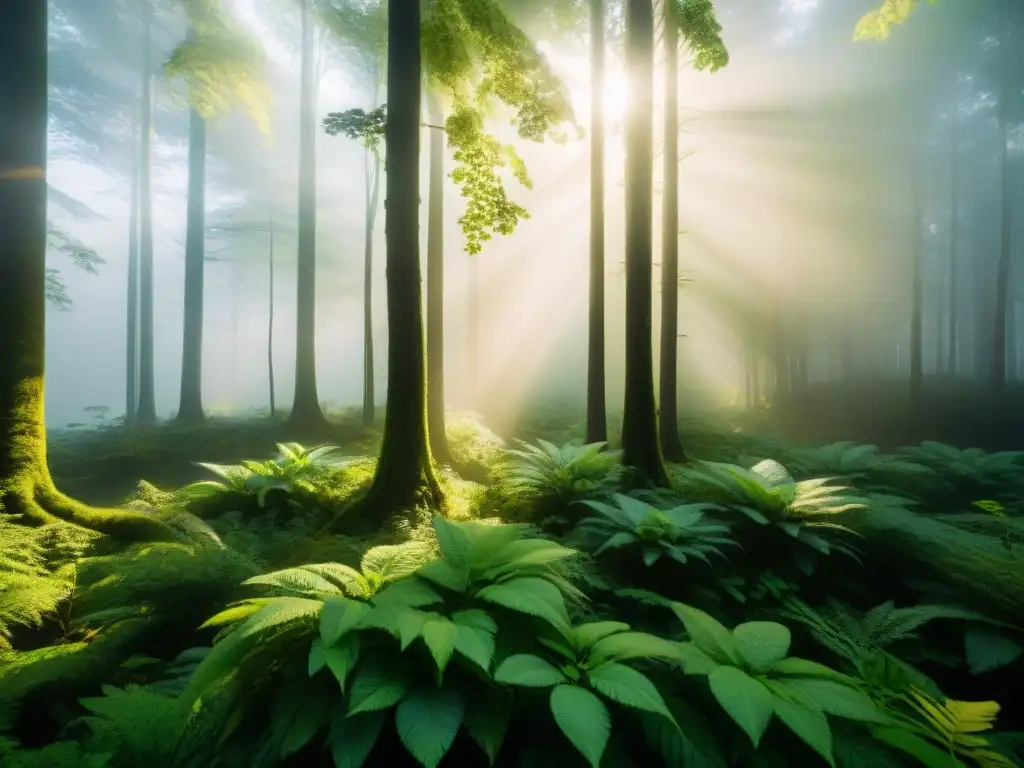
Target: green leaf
(762, 642)
(439, 634)
(444, 574)
(487, 722)
(809, 724)
(529, 671)
(688, 741)
(407, 593)
(632, 645)
(793, 667)
(708, 634)
(340, 615)
(454, 541)
(583, 719)
(694, 660)
(475, 637)
(584, 636)
(427, 721)
(530, 595)
(836, 699)
(341, 659)
(989, 649)
(624, 685)
(352, 738)
(317, 656)
(914, 745)
(376, 686)
(744, 699)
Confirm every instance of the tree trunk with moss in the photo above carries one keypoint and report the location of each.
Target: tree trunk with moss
(597, 418)
(306, 412)
(190, 404)
(26, 488)
(146, 414)
(668, 414)
(405, 473)
(131, 367)
(641, 450)
(435, 286)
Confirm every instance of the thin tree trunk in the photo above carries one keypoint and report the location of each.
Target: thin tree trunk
(26, 487)
(668, 421)
(999, 346)
(147, 382)
(270, 321)
(953, 363)
(641, 449)
(190, 408)
(405, 473)
(473, 333)
(597, 418)
(917, 278)
(306, 412)
(371, 174)
(435, 286)
(131, 389)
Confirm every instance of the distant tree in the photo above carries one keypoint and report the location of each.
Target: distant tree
(26, 487)
(877, 24)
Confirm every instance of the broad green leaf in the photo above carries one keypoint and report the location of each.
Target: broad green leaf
(340, 615)
(317, 656)
(295, 580)
(487, 722)
(793, 667)
(989, 649)
(341, 659)
(525, 553)
(694, 660)
(407, 593)
(762, 642)
(744, 699)
(624, 685)
(686, 742)
(352, 738)
(444, 574)
(376, 686)
(632, 645)
(585, 635)
(809, 724)
(427, 721)
(282, 611)
(395, 561)
(530, 595)
(914, 745)
(708, 635)
(583, 719)
(439, 634)
(475, 637)
(836, 699)
(529, 671)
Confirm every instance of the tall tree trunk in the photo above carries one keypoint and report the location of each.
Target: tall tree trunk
(668, 414)
(435, 286)
(473, 333)
(405, 473)
(270, 321)
(190, 407)
(597, 417)
(953, 361)
(26, 488)
(131, 368)
(306, 412)
(641, 449)
(917, 280)
(147, 381)
(371, 178)
(1005, 244)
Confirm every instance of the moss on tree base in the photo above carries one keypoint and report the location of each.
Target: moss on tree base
(35, 499)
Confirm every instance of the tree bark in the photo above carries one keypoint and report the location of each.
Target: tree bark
(405, 474)
(131, 368)
(190, 404)
(953, 362)
(597, 416)
(1005, 244)
(26, 488)
(147, 383)
(306, 412)
(435, 287)
(917, 278)
(641, 449)
(668, 414)
(270, 321)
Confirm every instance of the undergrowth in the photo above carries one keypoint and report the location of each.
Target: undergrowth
(779, 605)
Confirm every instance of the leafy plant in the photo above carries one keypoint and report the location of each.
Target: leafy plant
(680, 533)
(562, 474)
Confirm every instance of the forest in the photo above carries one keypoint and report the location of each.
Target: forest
(606, 383)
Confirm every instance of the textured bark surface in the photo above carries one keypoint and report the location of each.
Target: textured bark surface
(26, 488)
(190, 404)
(146, 413)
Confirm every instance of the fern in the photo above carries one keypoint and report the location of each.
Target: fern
(564, 473)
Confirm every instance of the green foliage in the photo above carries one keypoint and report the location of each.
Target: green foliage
(877, 24)
(701, 32)
(357, 124)
(565, 473)
(680, 533)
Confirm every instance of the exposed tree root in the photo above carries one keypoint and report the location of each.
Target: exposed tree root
(37, 501)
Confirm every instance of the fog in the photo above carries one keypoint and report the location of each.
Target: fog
(797, 202)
